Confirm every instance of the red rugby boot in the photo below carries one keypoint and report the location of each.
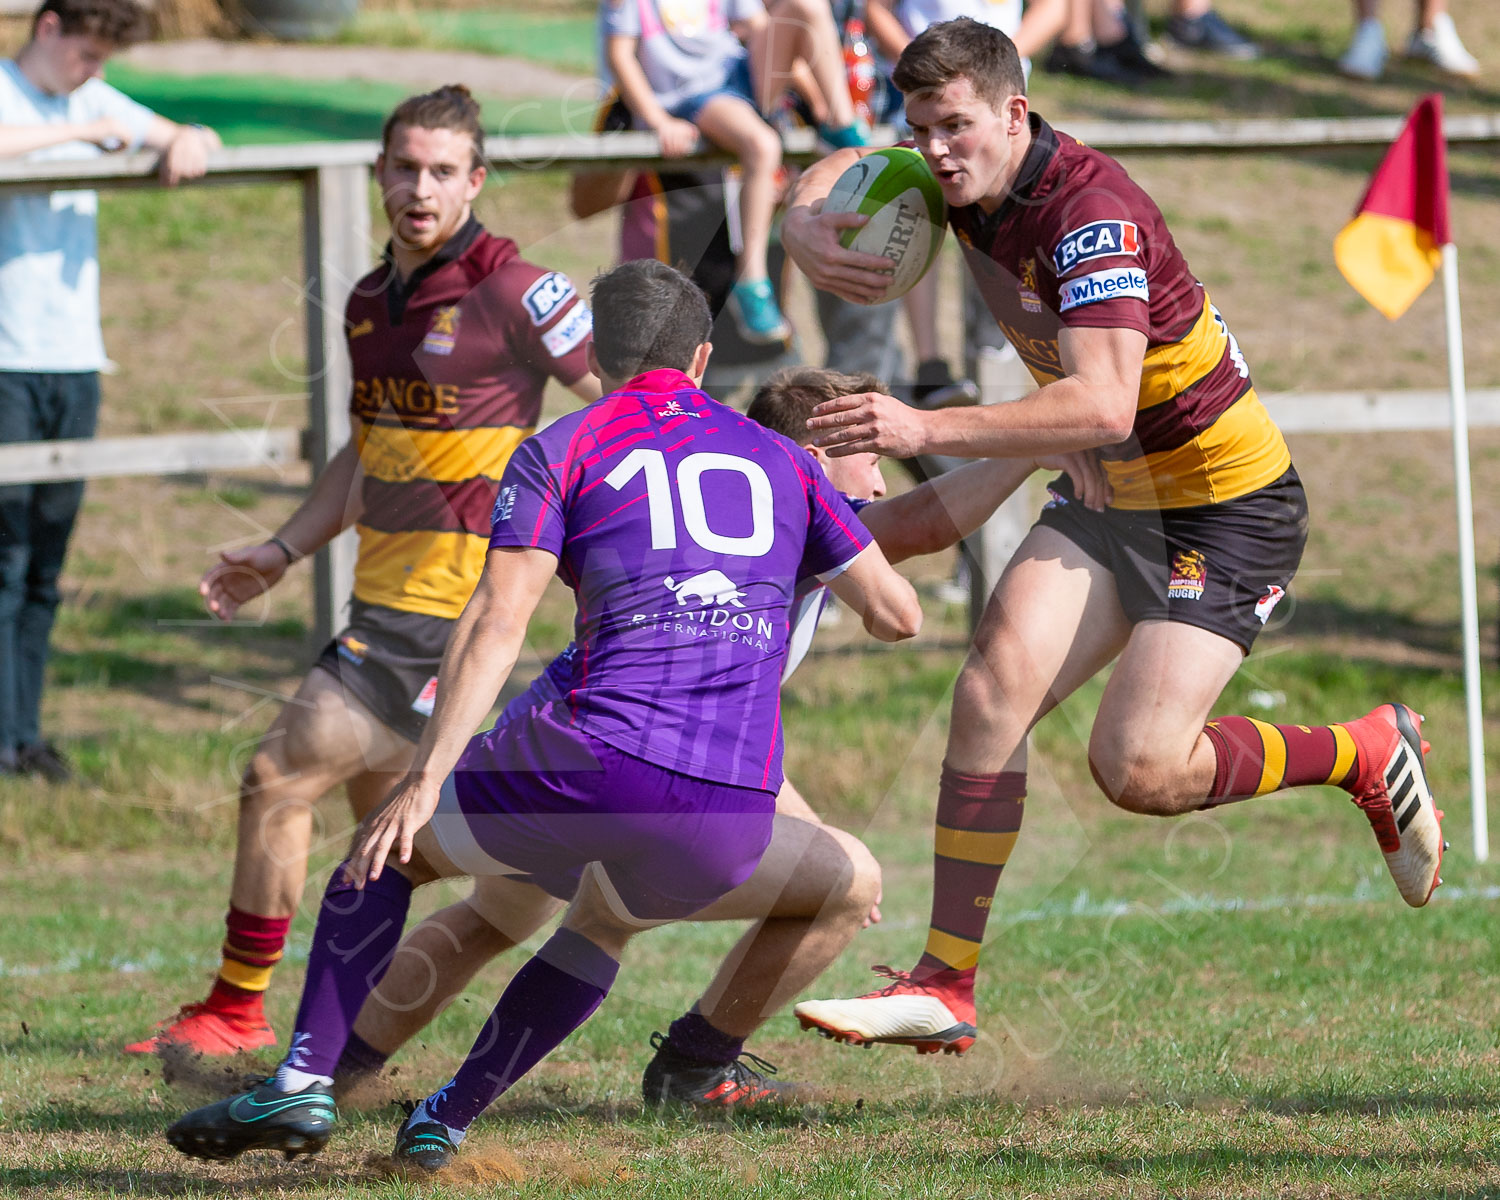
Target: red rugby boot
(198, 1028)
(929, 1010)
(1392, 790)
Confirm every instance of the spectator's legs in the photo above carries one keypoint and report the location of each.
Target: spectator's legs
(860, 337)
(800, 29)
(732, 125)
(1435, 40)
(72, 411)
(1366, 55)
(921, 315)
(18, 423)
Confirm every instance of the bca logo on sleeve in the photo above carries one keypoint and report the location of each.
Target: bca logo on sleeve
(544, 296)
(1097, 239)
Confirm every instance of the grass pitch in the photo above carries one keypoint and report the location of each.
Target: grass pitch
(1230, 1005)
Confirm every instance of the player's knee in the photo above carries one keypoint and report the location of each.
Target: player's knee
(858, 880)
(1137, 787)
(265, 781)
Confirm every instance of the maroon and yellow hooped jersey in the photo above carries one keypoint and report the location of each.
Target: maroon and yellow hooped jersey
(449, 370)
(1077, 243)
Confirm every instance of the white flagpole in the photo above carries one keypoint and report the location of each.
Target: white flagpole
(1463, 495)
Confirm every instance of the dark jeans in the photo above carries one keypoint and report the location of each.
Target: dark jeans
(36, 520)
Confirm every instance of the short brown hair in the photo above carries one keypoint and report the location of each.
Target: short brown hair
(784, 402)
(647, 315)
(121, 23)
(961, 49)
(450, 107)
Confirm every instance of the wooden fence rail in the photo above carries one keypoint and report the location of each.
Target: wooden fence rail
(334, 179)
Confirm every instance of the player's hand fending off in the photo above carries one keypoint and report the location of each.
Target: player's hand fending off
(392, 826)
(868, 422)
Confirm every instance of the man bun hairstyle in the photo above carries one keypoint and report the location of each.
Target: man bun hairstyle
(962, 48)
(450, 107)
(785, 401)
(121, 23)
(647, 315)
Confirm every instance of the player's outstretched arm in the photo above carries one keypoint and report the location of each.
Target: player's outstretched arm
(1094, 404)
(884, 599)
(331, 506)
(481, 652)
(811, 236)
(939, 513)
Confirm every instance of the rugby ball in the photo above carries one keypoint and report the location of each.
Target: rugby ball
(897, 191)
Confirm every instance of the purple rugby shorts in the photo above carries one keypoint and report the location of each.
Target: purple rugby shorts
(537, 801)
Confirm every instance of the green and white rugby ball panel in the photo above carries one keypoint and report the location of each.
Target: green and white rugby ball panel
(908, 217)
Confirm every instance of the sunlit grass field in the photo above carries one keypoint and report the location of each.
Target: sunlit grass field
(1234, 1004)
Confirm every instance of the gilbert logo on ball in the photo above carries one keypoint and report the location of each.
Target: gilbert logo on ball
(897, 191)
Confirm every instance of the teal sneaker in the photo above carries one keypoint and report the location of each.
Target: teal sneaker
(752, 304)
(850, 136)
(264, 1118)
(423, 1144)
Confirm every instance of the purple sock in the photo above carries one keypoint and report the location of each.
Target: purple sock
(691, 1036)
(355, 939)
(552, 995)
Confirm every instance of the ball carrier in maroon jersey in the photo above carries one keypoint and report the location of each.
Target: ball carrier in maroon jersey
(647, 790)
(1200, 542)
(452, 339)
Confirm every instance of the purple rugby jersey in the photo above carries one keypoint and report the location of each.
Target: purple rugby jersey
(683, 529)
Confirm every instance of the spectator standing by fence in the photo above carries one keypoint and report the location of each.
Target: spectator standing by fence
(54, 105)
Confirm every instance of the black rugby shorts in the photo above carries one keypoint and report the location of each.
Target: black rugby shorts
(1222, 567)
(388, 660)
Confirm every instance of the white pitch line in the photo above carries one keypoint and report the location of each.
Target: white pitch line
(1080, 907)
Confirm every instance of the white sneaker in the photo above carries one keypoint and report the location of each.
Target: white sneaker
(1441, 47)
(1365, 58)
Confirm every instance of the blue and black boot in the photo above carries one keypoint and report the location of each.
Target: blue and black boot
(264, 1118)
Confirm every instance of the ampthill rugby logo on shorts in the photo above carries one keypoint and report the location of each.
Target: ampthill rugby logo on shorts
(1031, 299)
(441, 337)
(1189, 573)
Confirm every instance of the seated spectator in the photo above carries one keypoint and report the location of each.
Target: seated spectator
(54, 105)
(1434, 41)
(1099, 42)
(683, 68)
(1102, 42)
(1194, 25)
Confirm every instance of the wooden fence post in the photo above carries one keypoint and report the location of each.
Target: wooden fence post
(336, 252)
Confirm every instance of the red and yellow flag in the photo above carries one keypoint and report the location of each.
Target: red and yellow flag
(1390, 250)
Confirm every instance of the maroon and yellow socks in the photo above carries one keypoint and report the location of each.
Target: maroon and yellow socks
(252, 948)
(552, 995)
(1256, 757)
(978, 818)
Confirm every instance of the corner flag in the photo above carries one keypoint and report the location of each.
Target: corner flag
(1390, 250)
